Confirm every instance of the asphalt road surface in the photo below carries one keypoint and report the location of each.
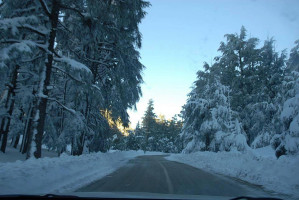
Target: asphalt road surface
(155, 174)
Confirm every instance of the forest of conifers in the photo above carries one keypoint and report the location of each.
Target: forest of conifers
(70, 70)
(65, 66)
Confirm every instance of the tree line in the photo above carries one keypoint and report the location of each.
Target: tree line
(155, 133)
(63, 65)
(70, 70)
(249, 97)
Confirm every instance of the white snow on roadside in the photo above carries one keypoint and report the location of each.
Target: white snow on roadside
(62, 174)
(257, 166)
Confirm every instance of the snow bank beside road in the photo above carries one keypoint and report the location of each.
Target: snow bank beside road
(256, 166)
(61, 174)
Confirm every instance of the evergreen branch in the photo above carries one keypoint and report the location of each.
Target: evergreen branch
(72, 111)
(32, 59)
(73, 9)
(96, 61)
(32, 29)
(27, 42)
(89, 59)
(69, 75)
(45, 7)
(64, 26)
(27, 72)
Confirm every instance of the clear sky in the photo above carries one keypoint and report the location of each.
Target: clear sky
(179, 35)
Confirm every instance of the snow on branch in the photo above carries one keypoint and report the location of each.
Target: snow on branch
(75, 79)
(74, 64)
(96, 87)
(27, 42)
(73, 9)
(22, 46)
(32, 59)
(90, 60)
(66, 73)
(40, 31)
(72, 111)
(14, 23)
(96, 61)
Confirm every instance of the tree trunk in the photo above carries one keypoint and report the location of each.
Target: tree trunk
(40, 113)
(10, 102)
(13, 140)
(29, 135)
(62, 149)
(15, 145)
(16, 138)
(28, 144)
(26, 133)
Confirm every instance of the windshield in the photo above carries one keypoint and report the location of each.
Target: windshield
(150, 98)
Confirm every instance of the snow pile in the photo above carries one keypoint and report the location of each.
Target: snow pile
(255, 166)
(61, 174)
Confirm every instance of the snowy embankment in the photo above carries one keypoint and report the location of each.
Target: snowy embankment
(61, 174)
(258, 166)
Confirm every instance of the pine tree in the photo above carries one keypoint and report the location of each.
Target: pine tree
(78, 58)
(149, 123)
(254, 102)
(287, 141)
(210, 123)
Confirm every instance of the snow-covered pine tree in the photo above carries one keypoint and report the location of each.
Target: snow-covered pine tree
(110, 52)
(254, 76)
(287, 141)
(261, 115)
(237, 65)
(209, 122)
(20, 46)
(107, 31)
(149, 126)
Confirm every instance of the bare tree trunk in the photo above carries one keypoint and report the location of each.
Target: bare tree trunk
(29, 135)
(17, 138)
(16, 142)
(10, 102)
(13, 140)
(24, 144)
(40, 113)
(63, 149)
(28, 144)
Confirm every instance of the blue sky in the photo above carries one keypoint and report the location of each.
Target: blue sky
(179, 35)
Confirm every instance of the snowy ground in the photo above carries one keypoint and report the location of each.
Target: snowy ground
(61, 174)
(12, 155)
(258, 166)
(68, 173)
